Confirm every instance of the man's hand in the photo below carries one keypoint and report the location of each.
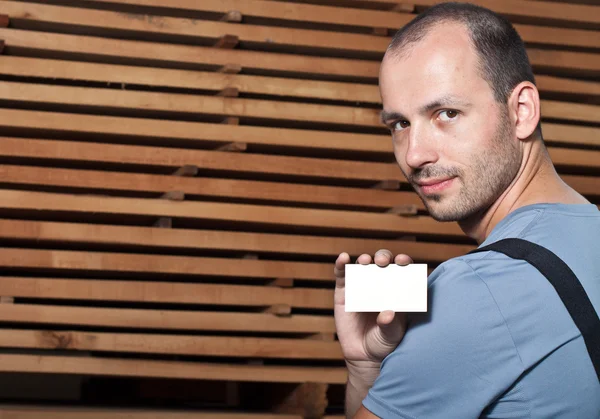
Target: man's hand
(366, 338)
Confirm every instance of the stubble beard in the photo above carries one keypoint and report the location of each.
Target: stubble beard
(489, 175)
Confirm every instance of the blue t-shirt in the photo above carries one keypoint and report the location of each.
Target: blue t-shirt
(497, 341)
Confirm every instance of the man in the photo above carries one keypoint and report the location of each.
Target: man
(460, 101)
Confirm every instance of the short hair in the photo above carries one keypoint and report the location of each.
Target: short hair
(502, 56)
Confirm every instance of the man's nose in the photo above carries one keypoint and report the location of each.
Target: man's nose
(421, 149)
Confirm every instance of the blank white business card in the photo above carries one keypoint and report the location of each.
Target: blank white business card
(370, 288)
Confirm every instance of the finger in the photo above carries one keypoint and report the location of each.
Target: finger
(385, 318)
(392, 326)
(340, 266)
(383, 257)
(364, 259)
(403, 260)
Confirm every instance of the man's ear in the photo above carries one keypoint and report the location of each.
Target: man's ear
(524, 104)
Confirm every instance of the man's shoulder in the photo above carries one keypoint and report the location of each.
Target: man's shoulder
(471, 268)
(464, 286)
(566, 230)
(516, 291)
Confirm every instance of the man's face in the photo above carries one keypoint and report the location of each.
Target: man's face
(453, 141)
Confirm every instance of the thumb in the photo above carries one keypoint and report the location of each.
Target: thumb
(392, 326)
(381, 340)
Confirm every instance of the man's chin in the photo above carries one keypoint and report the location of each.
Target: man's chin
(445, 213)
(443, 217)
(442, 211)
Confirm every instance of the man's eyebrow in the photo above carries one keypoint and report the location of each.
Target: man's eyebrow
(391, 116)
(443, 102)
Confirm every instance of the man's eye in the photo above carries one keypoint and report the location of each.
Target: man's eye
(400, 125)
(448, 115)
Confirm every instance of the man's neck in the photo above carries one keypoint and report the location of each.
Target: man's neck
(536, 182)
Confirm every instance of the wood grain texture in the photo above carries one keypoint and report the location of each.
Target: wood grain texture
(173, 293)
(194, 187)
(152, 52)
(174, 158)
(170, 369)
(293, 38)
(147, 237)
(163, 319)
(266, 215)
(534, 10)
(171, 344)
(163, 132)
(97, 20)
(113, 73)
(191, 104)
(160, 77)
(370, 17)
(97, 262)
(281, 11)
(569, 157)
(236, 107)
(192, 56)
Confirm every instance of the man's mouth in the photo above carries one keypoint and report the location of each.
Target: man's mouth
(433, 186)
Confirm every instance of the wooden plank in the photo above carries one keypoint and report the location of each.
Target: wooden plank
(152, 156)
(98, 21)
(266, 36)
(195, 134)
(564, 85)
(570, 111)
(180, 293)
(571, 134)
(171, 344)
(108, 153)
(544, 60)
(267, 9)
(586, 185)
(249, 163)
(178, 56)
(109, 73)
(169, 55)
(582, 158)
(170, 369)
(594, 2)
(112, 73)
(265, 215)
(530, 33)
(23, 175)
(97, 262)
(558, 36)
(78, 262)
(572, 13)
(164, 319)
(147, 237)
(207, 160)
(69, 412)
(190, 104)
(238, 107)
(206, 187)
(533, 11)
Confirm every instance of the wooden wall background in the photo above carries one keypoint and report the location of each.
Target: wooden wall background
(177, 178)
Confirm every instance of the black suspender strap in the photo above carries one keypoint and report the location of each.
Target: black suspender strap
(565, 283)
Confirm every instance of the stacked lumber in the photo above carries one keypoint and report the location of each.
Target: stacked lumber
(177, 179)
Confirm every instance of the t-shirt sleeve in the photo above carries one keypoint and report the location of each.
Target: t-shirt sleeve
(454, 360)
